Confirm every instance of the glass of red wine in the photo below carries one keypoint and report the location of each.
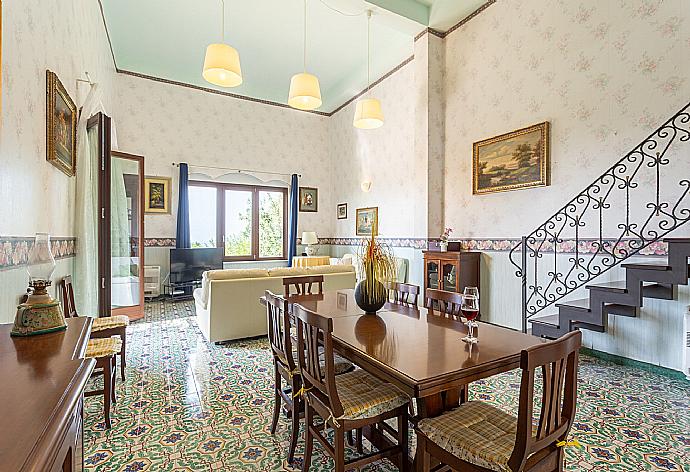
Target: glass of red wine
(470, 310)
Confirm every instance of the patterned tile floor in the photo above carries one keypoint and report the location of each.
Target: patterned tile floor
(194, 406)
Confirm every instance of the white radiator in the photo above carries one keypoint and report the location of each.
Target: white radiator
(686, 342)
(152, 281)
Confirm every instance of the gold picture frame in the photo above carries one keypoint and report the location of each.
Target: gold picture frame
(516, 160)
(61, 126)
(157, 195)
(367, 221)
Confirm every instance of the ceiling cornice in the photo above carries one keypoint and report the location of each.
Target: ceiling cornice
(432, 31)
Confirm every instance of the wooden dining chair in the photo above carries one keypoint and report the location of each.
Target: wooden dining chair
(507, 442)
(403, 294)
(447, 303)
(102, 327)
(303, 285)
(104, 351)
(285, 366)
(346, 402)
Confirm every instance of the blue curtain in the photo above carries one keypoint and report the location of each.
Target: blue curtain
(292, 222)
(183, 237)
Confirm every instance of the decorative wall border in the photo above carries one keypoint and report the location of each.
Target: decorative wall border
(586, 246)
(14, 251)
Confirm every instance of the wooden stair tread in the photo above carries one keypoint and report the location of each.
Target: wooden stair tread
(551, 320)
(581, 304)
(643, 266)
(676, 240)
(589, 326)
(619, 286)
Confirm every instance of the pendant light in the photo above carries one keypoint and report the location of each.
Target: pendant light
(368, 114)
(305, 93)
(222, 61)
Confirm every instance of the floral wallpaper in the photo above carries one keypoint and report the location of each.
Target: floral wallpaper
(605, 74)
(68, 38)
(168, 123)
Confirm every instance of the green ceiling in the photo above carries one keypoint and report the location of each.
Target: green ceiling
(167, 39)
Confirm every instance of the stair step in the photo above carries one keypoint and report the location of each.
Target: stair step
(647, 267)
(589, 326)
(676, 240)
(659, 291)
(581, 304)
(620, 310)
(619, 286)
(550, 320)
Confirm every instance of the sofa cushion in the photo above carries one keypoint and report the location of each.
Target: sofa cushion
(330, 269)
(232, 274)
(287, 271)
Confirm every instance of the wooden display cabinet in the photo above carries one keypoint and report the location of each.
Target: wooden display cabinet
(451, 271)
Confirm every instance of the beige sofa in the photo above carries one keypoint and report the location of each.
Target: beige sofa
(227, 304)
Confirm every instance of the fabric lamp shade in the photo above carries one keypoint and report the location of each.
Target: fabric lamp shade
(222, 65)
(305, 93)
(368, 114)
(309, 237)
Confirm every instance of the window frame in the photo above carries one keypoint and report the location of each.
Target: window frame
(220, 217)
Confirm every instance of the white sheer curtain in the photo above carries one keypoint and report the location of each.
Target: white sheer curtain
(86, 265)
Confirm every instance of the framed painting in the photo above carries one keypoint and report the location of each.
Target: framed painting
(342, 211)
(511, 161)
(367, 223)
(308, 199)
(61, 126)
(157, 195)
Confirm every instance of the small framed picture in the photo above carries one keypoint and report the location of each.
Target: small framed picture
(157, 195)
(342, 211)
(61, 126)
(367, 221)
(308, 199)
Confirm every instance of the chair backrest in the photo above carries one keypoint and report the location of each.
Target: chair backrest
(279, 330)
(558, 361)
(303, 285)
(449, 303)
(313, 331)
(69, 308)
(404, 294)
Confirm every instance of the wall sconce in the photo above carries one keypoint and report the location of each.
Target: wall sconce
(366, 186)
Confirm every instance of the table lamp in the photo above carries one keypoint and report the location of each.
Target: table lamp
(40, 313)
(309, 239)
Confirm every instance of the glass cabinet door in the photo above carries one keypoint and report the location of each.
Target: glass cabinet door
(450, 277)
(432, 279)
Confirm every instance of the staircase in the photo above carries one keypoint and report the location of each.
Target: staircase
(640, 200)
(623, 298)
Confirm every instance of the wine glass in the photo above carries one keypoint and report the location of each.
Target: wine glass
(471, 291)
(470, 310)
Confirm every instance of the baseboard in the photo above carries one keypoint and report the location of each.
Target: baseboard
(620, 360)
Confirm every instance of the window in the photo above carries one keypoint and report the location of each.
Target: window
(247, 221)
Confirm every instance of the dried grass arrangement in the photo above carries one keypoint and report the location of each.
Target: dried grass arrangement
(378, 270)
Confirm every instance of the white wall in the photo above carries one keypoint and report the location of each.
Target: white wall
(68, 38)
(168, 123)
(605, 74)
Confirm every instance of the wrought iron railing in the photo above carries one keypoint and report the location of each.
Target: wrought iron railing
(596, 230)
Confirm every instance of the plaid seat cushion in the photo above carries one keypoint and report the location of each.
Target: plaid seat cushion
(364, 396)
(117, 321)
(340, 364)
(475, 432)
(102, 347)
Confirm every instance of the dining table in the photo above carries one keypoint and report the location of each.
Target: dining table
(420, 351)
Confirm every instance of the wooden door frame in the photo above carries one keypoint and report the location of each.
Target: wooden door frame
(137, 311)
(102, 122)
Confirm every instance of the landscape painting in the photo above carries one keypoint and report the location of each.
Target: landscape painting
(512, 161)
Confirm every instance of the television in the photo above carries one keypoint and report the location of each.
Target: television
(188, 265)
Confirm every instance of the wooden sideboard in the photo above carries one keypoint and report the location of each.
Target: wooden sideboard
(42, 380)
(451, 271)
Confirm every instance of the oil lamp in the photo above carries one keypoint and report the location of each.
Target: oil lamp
(40, 313)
